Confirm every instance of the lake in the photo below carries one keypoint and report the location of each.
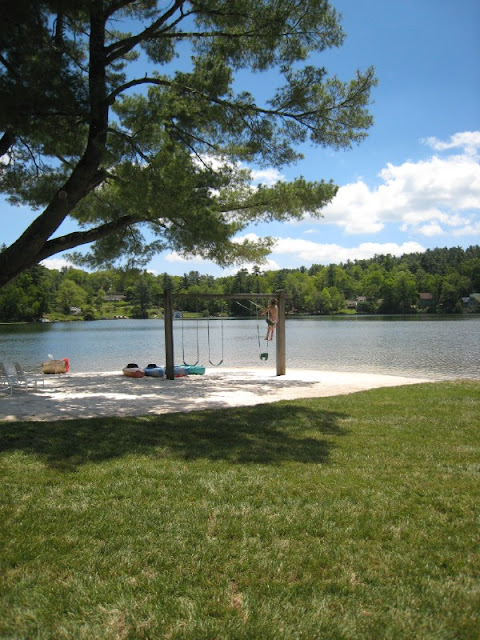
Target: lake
(419, 346)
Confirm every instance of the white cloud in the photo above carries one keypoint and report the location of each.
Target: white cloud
(56, 263)
(295, 252)
(176, 257)
(305, 252)
(431, 229)
(208, 267)
(423, 197)
(352, 210)
(467, 230)
(469, 141)
(267, 176)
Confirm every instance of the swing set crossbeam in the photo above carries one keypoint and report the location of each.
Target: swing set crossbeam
(168, 314)
(224, 296)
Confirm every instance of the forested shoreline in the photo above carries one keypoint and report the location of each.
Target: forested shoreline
(437, 281)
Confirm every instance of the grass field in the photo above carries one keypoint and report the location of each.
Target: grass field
(351, 517)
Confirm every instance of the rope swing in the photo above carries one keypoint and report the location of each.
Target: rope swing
(263, 354)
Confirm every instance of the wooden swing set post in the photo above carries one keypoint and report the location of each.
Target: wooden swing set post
(280, 340)
(168, 322)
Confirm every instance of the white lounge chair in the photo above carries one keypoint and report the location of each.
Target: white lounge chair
(24, 380)
(6, 381)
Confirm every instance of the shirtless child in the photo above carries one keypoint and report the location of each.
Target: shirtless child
(271, 313)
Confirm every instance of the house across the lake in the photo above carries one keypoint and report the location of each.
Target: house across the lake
(472, 302)
(114, 297)
(425, 299)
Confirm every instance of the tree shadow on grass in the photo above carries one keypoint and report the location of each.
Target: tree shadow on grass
(290, 431)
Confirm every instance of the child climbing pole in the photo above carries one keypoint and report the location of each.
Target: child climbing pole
(271, 316)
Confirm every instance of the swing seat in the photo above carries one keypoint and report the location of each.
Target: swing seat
(264, 356)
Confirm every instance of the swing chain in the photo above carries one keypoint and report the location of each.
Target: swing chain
(209, 351)
(183, 348)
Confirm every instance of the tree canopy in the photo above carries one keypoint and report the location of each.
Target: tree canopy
(436, 281)
(125, 116)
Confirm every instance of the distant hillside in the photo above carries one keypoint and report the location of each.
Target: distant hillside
(437, 281)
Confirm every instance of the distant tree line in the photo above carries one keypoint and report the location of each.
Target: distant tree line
(436, 281)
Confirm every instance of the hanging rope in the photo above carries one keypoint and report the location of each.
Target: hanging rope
(209, 351)
(263, 354)
(191, 364)
(243, 306)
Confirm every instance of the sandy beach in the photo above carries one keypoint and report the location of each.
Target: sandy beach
(110, 393)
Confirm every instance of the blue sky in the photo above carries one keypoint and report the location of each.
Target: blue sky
(414, 183)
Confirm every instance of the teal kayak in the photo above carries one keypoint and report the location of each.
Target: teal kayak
(195, 370)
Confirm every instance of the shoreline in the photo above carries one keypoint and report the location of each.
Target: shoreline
(110, 393)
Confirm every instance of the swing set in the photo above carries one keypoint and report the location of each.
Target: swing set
(280, 341)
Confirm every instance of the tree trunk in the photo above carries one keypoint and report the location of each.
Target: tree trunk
(25, 251)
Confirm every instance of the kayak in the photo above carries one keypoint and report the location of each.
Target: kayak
(55, 366)
(154, 371)
(195, 370)
(133, 371)
(180, 371)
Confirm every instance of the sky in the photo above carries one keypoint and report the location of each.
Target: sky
(414, 183)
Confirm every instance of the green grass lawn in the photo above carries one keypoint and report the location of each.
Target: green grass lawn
(352, 517)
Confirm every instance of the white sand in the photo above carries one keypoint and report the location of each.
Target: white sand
(110, 393)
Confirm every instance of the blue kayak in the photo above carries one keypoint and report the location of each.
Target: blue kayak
(154, 371)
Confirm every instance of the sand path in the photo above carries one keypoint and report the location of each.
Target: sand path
(81, 395)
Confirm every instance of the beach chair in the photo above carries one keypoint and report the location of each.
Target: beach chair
(24, 380)
(6, 381)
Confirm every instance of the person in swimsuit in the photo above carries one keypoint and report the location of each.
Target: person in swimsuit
(271, 313)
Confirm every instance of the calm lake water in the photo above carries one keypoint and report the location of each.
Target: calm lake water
(420, 346)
